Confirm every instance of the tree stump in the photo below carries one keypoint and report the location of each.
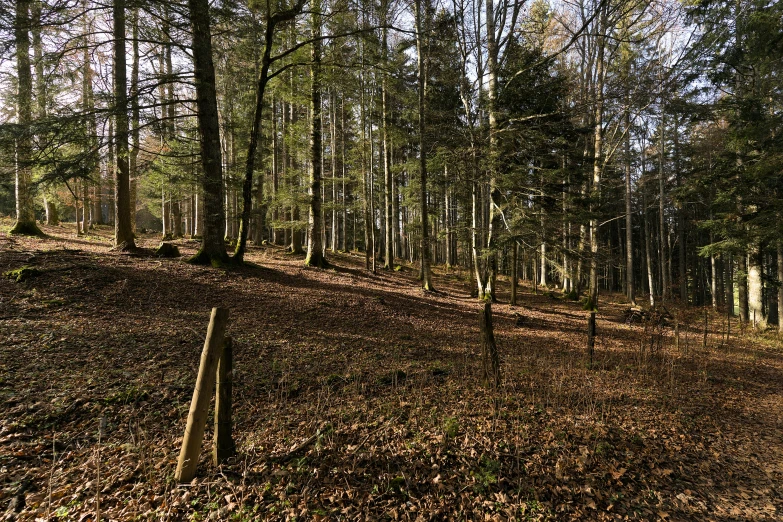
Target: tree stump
(167, 250)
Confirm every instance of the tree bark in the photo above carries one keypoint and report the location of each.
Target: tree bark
(595, 189)
(756, 311)
(780, 284)
(629, 269)
(315, 251)
(335, 231)
(742, 286)
(425, 274)
(213, 248)
(25, 204)
(665, 285)
(489, 351)
(123, 233)
(388, 257)
(135, 113)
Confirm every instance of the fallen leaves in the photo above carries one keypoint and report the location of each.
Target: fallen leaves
(392, 373)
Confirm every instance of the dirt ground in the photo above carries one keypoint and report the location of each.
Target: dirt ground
(99, 351)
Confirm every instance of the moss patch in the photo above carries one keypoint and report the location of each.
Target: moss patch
(22, 274)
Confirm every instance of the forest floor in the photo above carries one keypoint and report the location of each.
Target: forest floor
(383, 381)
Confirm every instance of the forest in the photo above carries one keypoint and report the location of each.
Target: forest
(464, 260)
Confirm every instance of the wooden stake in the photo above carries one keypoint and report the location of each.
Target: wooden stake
(677, 334)
(199, 405)
(223, 446)
(704, 344)
(591, 337)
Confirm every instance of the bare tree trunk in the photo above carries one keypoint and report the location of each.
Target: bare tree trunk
(335, 231)
(755, 289)
(742, 286)
(388, 257)
(344, 174)
(629, 269)
(647, 248)
(595, 191)
(665, 285)
(25, 204)
(368, 248)
(213, 248)
(134, 152)
(123, 233)
(489, 350)
(780, 284)
(494, 194)
(315, 250)
(425, 275)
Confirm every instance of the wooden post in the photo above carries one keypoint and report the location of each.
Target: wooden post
(591, 337)
(199, 405)
(704, 344)
(223, 446)
(728, 325)
(514, 263)
(489, 351)
(677, 333)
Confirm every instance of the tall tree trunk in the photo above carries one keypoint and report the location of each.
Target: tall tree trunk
(742, 286)
(25, 204)
(629, 269)
(665, 285)
(493, 227)
(756, 312)
(263, 78)
(213, 247)
(49, 200)
(123, 233)
(344, 173)
(780, 284)
(279, 147)
(421, 14)
(595, 190)
(728, 284)
(713, 267)
(92, 159)
(647, 250)
(365, 184)
(681, 219)
(335, 231)
(134, 152)
(388, 257)
(111, 173)
(315, 250)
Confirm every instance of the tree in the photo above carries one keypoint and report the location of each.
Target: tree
(315, 249)
(422, 17)
(213, 249)
(123, 229)
(273, 21)
(25, 209)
